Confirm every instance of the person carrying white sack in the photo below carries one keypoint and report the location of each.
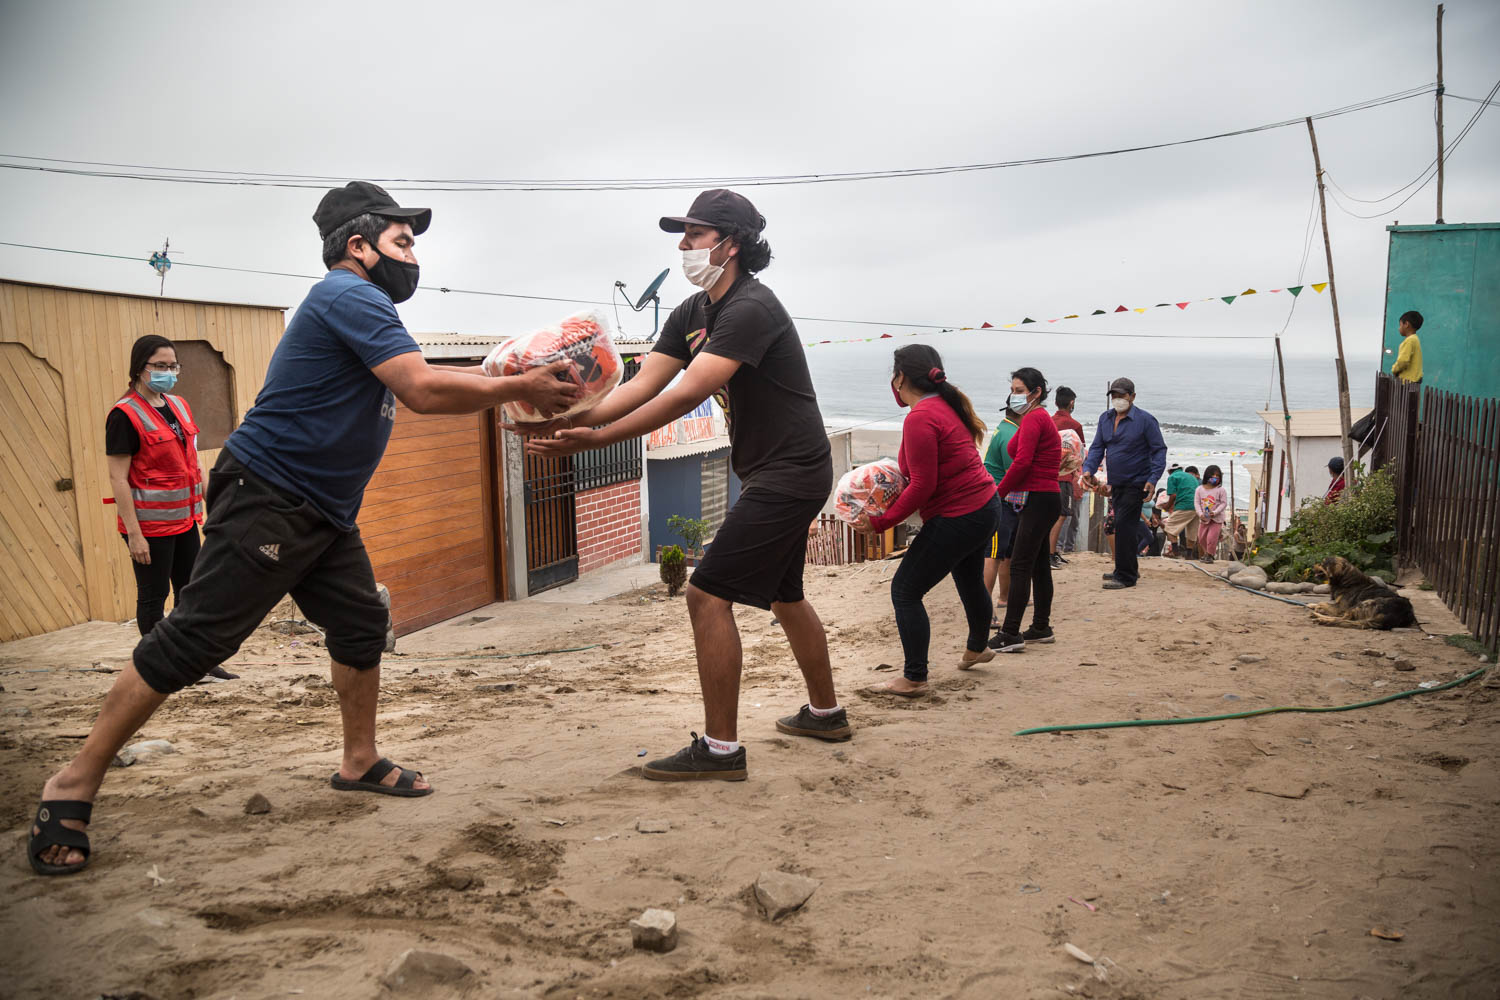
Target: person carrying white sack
(733, 341)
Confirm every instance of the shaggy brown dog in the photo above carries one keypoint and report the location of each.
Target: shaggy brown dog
(1358, 601)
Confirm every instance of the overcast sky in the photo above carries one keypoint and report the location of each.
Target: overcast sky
(712, 89)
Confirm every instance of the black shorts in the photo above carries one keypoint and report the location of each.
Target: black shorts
(756, 558)
(261, 543)
(1005, 532)
(1065, 490)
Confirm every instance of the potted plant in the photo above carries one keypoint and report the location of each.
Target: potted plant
(693, 530)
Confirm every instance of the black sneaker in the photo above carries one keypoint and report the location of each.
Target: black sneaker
(827, 727)
(222, 674)
(1035, 634)
(1114, 584)
(1056, 561)
(1061, 558)
(696, 762)
(1007, 642)
(1108, 576)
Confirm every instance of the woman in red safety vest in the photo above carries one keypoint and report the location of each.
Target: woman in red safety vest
(151, 442)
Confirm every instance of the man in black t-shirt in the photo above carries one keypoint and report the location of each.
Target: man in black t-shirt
(734, 341)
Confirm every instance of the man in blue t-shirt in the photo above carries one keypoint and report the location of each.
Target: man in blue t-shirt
(282, 502)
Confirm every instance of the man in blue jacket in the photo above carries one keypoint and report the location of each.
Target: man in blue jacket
(1137, 456)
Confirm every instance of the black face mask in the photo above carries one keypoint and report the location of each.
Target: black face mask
(396, 278)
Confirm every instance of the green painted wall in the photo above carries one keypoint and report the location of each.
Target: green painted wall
(1451, 275)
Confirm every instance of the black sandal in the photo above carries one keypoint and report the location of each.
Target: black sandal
(370, 781)
(51, 833)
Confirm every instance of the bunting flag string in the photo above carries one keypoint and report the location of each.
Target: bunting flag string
(1229, 300)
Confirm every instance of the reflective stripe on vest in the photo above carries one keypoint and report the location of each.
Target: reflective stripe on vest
(140, 411)
(160, 514)
(159, 496)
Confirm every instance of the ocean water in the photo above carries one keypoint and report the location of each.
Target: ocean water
(1179, 387)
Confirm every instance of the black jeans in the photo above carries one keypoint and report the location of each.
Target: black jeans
(1030, 567)
(260, 544)
(171, 566)
(945, 545)
(1130, 530)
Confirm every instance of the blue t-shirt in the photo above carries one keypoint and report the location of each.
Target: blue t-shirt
(322, 420)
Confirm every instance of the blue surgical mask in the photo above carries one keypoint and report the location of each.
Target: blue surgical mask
(161, 381)
(1018, 402)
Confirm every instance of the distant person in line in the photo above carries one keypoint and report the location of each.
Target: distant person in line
(1336, 473)
(1031, 481)
(151, 443)
(1408, 364)
(1132, 439)
(1211, 504)
(1063, 400)
(948, 484)
(282, 503)
(734, 341)
(1182, 521)
(997, 559)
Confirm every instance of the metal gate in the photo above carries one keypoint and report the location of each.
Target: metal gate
(551, 523)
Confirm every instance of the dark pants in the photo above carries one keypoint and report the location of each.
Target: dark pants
(1130, 530)
(260, 544)
(1030, 567)
(945, 545)
(172, 558)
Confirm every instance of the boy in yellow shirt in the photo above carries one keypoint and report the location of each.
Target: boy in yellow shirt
(1408, 363)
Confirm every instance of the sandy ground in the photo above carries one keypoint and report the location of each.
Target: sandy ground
(1234, 859)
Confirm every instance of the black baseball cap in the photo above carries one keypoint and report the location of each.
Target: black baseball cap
(359, 197)
(1123, 385)
(716, 209)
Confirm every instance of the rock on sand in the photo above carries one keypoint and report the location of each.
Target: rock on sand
(1251, 576)
(654, 930)
(780, 893)
(417, 971)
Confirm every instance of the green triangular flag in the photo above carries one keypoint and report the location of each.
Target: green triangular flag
(1097, 312)
(1028, 319)
(1229, 299)
(1296, 290)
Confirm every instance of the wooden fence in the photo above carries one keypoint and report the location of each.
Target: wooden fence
(831, 542)
(1444, 451)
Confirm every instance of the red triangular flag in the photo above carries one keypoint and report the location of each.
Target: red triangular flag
(1122, 309)
(985, 326)
(1183, 305)
(885, 336)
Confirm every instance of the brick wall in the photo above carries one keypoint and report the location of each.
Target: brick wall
(609, 525)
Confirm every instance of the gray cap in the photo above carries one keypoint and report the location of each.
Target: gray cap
(1122, 385)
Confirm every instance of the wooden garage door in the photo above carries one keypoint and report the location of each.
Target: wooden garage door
(429, 518)
(41, 559)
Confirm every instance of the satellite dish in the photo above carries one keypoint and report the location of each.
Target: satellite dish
(646, 298)
(651, 290)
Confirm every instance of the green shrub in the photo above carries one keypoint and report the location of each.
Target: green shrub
(1360, 526)
(693, 530)
(673, 569)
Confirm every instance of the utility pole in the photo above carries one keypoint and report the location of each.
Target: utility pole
(1333, 298)
(1286, 437)
(1440, 114)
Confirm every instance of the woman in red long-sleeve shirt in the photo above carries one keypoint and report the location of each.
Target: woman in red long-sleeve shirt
(1036, 455)
(947, 483)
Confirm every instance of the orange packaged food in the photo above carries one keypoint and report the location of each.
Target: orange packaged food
(868, 489)
(583, 340)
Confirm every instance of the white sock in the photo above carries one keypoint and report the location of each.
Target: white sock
(721, 748)
(823, 713)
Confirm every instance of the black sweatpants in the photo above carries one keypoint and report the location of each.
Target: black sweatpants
(260, 544)
(171, 566)
(1030, 565)
(1130, 530)
(945, 546)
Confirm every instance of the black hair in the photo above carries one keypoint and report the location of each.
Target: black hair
(336, 244)
(1032, 380)
(1336, 464)
(1211, 471)
(1192, 468)
(141, 351)
(1414, 318)
(918, 363)
(1063, 397)
(755, 252)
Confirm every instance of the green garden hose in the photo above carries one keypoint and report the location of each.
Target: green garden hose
(1127, 723)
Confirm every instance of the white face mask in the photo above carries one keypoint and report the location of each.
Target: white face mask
(699, 271)
(1120, 403)
(1019, 402)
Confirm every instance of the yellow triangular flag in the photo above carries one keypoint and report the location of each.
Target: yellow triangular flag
(1248, 291)
(1140, 310)
(1319, 287)
(1007, 326)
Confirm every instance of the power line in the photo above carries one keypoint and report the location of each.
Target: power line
(189, 175)
(927, 327)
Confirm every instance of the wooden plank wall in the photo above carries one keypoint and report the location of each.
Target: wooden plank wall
(85, 337)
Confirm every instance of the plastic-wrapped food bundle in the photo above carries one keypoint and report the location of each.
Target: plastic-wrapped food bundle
(1072, 452)
(582, 339)
(869, 489)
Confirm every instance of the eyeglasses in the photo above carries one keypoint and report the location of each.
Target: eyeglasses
(159, 367)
